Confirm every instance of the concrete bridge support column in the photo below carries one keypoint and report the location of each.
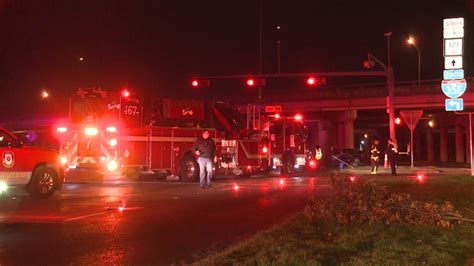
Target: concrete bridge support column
(429, 145)
(459, 139)
(418, 146)
(468, 147)
(325, 135)
(349, 118)
(443, 144)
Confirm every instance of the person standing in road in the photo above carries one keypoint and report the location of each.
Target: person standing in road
(205, 150)
(374, 156)
(392, 155)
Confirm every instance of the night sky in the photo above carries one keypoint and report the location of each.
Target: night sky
(155, 47)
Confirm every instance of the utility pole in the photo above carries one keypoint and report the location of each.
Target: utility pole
(390, 87)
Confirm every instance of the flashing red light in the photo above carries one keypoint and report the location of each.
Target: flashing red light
(282, 182)
(420, 178)
(249, 167)
(111, 129)
(195, 83)
(312, 164)
(236, 187)
(125, 93)
(277, 116)
(121, 208)
(298, 117)
(311, 81)
(398, 121)
(62, 129)
(250, 82)
(265, 149)
(352, 178)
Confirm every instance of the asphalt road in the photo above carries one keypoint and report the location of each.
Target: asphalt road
(160, 223)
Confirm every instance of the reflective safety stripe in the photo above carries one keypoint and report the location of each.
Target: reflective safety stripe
(15, 178)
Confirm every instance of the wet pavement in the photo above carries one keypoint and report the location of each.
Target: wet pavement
(144, 223)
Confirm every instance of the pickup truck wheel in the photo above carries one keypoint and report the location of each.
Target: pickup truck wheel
(43, 182)
(189, 170)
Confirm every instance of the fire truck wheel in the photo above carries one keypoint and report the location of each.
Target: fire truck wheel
(43, 182)
(189, 170)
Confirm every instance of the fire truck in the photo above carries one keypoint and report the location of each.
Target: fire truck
(107, 132)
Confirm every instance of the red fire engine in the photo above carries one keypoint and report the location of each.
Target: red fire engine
(94, 138)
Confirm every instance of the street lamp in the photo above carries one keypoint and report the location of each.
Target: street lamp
(412, 41)
(44, 95)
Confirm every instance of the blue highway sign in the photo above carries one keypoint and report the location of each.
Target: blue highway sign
(453, 74)
(454, 88)
(454, 105)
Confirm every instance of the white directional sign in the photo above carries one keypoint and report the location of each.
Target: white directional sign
(453, 62)
(453, 47)
(453, 23)
(452, 33)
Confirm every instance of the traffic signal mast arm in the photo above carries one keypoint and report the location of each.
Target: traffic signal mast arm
(317, 74)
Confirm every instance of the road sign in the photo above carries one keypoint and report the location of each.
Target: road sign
(411, 118)
(455, 32)
(453, 62)
(273, 109)
(453, 23)
(454, 88)
(453, 47)
(453, 74)
(454, 105)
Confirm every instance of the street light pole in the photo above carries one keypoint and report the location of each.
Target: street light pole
(412, 41)
(388, 34)
(278, 50)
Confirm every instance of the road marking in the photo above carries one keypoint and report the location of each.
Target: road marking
(88, 215)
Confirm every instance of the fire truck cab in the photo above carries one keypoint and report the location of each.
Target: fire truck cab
(37, 170)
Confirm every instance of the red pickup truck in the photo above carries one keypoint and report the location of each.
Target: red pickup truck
(38, 170)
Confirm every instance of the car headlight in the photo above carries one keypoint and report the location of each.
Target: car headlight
(112, 165)
(3, 186)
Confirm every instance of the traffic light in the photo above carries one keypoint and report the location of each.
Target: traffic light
(298, 118)
(252, 82)
(369, 63)
(195, 83)
(125, 93)
(315, 81)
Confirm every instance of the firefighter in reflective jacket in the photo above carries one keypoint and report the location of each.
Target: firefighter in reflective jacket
(319, 153)
(374, 156)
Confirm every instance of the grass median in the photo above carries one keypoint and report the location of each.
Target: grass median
(301, 241)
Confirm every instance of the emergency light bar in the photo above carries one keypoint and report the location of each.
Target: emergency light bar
(91, 131)
(62, 129)
(111, 129)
